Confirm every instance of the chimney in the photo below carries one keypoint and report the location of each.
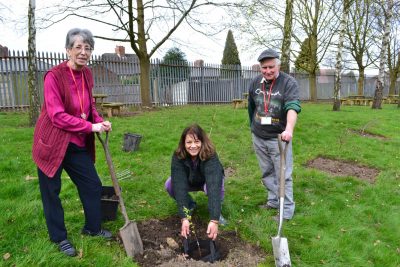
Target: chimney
(255, 67)
(3, 51)
(199, 63)
(120, 50)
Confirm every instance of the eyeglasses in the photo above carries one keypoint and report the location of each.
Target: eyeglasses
(86, 49)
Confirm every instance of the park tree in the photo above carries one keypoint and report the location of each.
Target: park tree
(174, 66)
(34, 100)
(303, 61)
(316, 20)
(172, 69)
(388, 12)
(394, 50)
(248, 17)
(312, 20)
(394, 69)
(230, 60)
(287, 37)
(338, 66)
(361, 38)
(145, 25)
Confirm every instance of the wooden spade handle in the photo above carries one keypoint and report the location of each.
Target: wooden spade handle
(282, 152)
(113, 176)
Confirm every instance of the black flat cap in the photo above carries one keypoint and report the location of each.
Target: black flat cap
(269, 53)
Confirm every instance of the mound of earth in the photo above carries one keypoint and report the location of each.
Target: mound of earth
(343, 168)
(163, 246)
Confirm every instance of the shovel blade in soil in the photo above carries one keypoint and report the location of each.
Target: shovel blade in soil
(129, 234)
(281, 252)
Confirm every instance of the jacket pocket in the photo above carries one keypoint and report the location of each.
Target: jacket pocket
(44, 150)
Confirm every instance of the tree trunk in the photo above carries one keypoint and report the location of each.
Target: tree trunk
(145, 82)
(313, 69)
(287, 36)
(394, 74)
(338, 67)
(143, 56)
(34, 101)
(398, 101)
(313, 39)
(360, 81)
(377, 104)
(392, 86)
(313, 86)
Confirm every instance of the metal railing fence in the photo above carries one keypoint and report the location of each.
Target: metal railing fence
(172, 83)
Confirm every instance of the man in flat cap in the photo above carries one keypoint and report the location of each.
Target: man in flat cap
(273, 107)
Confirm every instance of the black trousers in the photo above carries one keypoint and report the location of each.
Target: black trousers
(80, 167)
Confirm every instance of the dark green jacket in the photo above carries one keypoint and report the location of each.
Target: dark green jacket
(185, 176)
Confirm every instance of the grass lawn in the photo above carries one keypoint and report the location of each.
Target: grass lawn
(339, 221)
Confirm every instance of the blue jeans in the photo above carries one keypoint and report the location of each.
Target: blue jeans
(268, 156)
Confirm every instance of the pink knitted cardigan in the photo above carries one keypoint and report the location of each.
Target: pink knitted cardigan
(49, 142)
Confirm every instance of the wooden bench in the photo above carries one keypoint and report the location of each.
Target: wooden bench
(345, 101)
(112, 108)
(363, 101)
(356, 101)
(391, 99)
(237, 103)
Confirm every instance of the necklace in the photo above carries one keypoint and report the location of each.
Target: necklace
(83, 115)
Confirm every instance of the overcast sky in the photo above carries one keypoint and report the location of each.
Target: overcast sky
(194, 45)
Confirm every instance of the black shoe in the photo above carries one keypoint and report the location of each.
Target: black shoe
(267, 207)
(67, 248)
(103, 233)
(222, 221)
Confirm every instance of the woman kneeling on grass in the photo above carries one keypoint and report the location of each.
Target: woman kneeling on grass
(195, 167)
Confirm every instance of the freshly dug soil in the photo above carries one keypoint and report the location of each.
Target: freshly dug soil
(163, 246)
(368, 134)
(343, 168)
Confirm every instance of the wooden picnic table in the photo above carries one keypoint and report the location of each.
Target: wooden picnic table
(356, 96)
(237, 103)
(99, 98)
(392, 99)
(358, 101)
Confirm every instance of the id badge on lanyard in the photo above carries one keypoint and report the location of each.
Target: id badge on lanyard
(267, 120)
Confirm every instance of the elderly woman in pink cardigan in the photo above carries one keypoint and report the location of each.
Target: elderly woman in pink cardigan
(64, 140)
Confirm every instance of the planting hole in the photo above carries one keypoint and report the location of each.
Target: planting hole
(159, 250)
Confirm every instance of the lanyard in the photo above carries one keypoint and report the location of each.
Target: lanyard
(83, 115)
(266, 104)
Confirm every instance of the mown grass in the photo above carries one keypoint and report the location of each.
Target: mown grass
(339, 221)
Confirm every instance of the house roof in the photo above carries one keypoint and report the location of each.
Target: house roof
(125, 65)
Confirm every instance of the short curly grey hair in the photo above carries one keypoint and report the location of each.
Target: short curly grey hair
(86, 35)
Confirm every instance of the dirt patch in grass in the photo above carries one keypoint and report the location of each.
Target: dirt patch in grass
(368, 134)
(229, 172)
(344, 168)
(163, 246)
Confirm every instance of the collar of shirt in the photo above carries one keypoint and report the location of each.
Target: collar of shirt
(265, 80)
